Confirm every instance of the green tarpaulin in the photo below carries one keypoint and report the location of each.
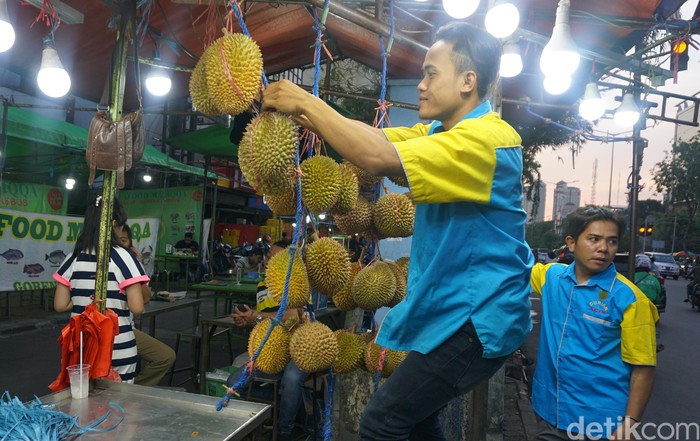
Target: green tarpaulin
(40, 145)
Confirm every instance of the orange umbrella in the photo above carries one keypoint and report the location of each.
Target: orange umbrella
(98, 331)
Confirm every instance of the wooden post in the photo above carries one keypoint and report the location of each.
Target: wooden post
(110, 178)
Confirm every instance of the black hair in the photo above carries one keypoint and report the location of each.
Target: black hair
(474, 49)
(189, 234)
(127, 229)
(257, 251)
(89, 237)
(579, 220)
(280, 243)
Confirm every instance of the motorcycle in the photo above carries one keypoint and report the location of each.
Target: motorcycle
(693, 293)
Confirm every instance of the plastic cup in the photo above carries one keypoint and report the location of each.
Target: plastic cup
(79, 375)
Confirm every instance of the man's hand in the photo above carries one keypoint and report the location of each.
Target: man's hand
(286, 97)
(243, 318)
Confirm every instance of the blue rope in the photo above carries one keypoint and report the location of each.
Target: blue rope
(145, 19)
(385, 57)
(37, 420)
(327, 432)
(244, 29)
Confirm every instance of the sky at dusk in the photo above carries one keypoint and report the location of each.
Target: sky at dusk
(578, 171)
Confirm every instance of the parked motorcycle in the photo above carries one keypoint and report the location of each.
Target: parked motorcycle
(693, 292)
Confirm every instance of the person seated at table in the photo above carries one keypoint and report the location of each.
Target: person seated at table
(158, 356)
(76, 276)
(292, 378)
(251, 263)
(188, 246)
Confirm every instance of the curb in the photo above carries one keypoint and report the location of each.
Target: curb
(29, 325)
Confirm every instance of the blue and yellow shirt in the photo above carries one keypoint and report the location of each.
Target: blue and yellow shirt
(469, 259)
(591, 336)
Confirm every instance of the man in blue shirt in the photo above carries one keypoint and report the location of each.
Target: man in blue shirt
(462, 315)
(595, 368)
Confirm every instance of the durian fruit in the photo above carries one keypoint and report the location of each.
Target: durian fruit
(320, 183)
(401, 181)
(266, 153)
(374, 286)
(400, 292)
(392, 359)
(343, 299)
(328, 265)
(274, 355)
(364, 178)
(313, 347)
(357, 220)
(402, 262)
(351, 351)
(199, 91)
(283, 204)
(393, 215)
(349, 191)
(276, 273)
(234, 72)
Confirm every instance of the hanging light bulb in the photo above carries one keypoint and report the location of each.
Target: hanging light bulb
(627, 114)
(70, 183)
(460, 8)
(592, 106)
(502, 20)
(322, 216)
(158, 81)
(560, 56)
(556, 84)
(147, 176)
(7, 32)
(52, 79)
(511, 61)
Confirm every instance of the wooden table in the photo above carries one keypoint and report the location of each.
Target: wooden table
(185, 259)
(331, 316)
(156, 307)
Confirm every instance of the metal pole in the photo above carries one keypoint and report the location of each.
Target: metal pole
(644, 237)
(673, 238)
(637, 156)
(110, 177)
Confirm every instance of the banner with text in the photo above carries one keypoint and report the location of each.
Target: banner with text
(179, 209)
(27, 196)
(33, 245)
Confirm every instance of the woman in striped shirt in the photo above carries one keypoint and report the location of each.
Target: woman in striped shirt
(76, 284)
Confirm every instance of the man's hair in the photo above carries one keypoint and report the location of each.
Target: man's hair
(280, 243)
(579, 220)
(257, 251)
(188, 234)
(474, 49)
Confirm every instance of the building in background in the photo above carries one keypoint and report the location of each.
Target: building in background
(566, 201)
(535, 207)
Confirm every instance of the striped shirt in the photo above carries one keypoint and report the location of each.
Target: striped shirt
(78, 274)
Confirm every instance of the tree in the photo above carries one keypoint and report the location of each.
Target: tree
(678, 175)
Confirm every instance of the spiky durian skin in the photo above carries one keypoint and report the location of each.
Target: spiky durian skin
(276, 273)
(274, 355)
(328, 265)
(357, 220)
(266, 153)
(393, 215)
(320, 183)
(282, 204)
(400, 292)
(403, 262)
(351, 350)
(313, 347)
(392, 359)
(401, 181)
(199, 91)
(234, 72)
(349, 191)
(374, 286)
(364, 178)
(343, 299)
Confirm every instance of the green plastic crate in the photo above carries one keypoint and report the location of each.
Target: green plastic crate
(215, 387)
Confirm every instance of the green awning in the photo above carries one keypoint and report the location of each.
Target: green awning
(37, 144)
(212, 141)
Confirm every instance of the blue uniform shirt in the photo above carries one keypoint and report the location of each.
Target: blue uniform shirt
(469, 259)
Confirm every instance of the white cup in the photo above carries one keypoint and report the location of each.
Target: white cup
(79, 375)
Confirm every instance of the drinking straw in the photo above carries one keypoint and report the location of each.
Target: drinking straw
(81, 363)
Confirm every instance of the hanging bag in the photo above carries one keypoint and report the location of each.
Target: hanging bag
(116, 145)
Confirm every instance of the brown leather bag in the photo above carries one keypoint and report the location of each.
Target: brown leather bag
(115, 145)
